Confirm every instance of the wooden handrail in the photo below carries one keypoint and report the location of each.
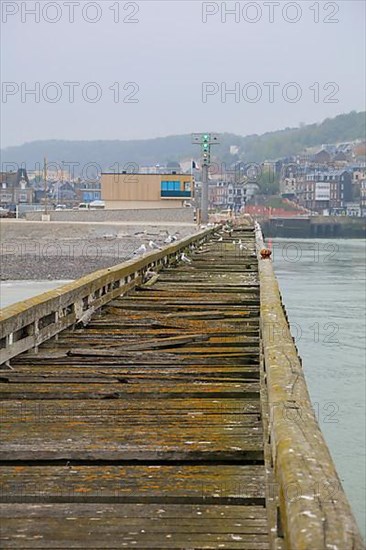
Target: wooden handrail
(25, 325)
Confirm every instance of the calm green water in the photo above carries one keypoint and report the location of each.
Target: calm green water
(323, 284)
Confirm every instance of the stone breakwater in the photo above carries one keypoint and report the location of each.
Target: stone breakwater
(30, 256)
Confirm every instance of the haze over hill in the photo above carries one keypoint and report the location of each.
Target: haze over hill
(252, 148)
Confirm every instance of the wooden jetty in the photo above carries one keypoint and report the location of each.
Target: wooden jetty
(155, 405)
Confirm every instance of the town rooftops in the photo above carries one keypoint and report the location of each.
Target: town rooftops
(124, 173)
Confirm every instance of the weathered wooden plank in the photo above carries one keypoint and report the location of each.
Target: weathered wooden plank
(179, 406)
(148, 526)
(231, 346)
(248, 514)
(90, 373)
(116, 483)
(132, 358)
(127, 377)
(116, 393)
(149, 343)
(240, 423)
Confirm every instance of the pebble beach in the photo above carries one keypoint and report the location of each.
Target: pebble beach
(51, 257)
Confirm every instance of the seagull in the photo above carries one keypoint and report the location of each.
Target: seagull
(85, 319)
(170, 239)
(140, 250)
(149, 275)
(185, 259)
(154, 246)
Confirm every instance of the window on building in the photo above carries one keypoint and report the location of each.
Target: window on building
(170, 185)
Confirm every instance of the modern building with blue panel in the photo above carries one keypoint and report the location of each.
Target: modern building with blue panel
(136, 190)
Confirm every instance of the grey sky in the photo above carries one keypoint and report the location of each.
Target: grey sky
(169, 53)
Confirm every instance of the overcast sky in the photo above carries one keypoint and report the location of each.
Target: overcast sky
(172, 70)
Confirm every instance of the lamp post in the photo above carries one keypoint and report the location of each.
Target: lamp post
(205, 140)
(45, 186)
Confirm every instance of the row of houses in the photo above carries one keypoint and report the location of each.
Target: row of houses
(330, 181)
(327, 191)
(16, 188)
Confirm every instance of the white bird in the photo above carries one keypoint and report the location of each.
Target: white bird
(154, 246)
(220, 239)
(85, 319)
(170, 239)
(149, 275)
(185, 259)
(140, 250)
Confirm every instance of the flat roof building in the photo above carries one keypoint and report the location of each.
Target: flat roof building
(135, 190)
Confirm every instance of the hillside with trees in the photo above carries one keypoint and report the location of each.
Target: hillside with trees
(117, 155)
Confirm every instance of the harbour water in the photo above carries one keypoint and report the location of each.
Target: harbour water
(323, 287)
(15, 291)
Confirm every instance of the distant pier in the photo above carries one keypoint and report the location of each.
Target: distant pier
(316, 227)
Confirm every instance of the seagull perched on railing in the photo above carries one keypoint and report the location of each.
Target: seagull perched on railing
(185, 259)
(86, 318)
(170, 239)
(154, 246)
(140, 250)
(149, 274)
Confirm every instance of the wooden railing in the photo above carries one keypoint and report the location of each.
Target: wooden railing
(311, 506)
(25, 325)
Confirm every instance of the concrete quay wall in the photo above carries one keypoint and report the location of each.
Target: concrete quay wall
(151, 215)
(315, 227)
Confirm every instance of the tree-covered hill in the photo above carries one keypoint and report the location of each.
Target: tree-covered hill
(253, 148)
